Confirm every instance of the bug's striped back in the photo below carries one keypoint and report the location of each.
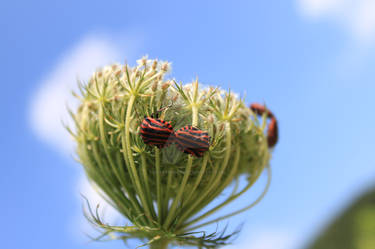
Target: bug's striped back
(192, 140)
(273, 130)
(156, 132)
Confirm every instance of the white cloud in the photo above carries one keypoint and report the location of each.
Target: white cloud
(267, 239)
(316, 8)
(355, 15)
(106, 211)
(48, 104)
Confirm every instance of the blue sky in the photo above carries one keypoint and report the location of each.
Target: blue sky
(311, 61)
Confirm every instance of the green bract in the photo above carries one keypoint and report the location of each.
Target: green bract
(162, 192)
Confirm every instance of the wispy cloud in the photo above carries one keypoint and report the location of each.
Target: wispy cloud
(357, 16)
(48, 104)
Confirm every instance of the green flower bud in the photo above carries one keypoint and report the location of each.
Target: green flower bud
(162, 192)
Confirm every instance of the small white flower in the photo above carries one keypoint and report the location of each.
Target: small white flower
(166, 66)
(143, 61)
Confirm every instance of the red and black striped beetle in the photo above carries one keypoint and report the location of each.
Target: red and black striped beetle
(192, 140)
(157, 132)
(272, 130)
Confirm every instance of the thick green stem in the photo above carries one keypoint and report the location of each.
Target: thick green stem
(146, 184)
(128, 153)
(167, 193)
(194, 120)
(159, 244)
(158, 185)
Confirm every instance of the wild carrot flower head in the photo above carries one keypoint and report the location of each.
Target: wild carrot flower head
(162, 191)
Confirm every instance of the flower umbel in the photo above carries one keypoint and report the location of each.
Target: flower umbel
(162, 191)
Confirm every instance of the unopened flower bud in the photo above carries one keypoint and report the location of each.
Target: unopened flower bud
(165, 85)
(154, 64)
(143, 61)
(165, 67)
(158, 171)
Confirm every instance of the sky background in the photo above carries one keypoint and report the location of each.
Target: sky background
(311, 61)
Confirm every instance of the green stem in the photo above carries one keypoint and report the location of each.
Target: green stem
(213, 175)
(218, 191)
(92, 173)
(158, 185)
(167, 193)
(194, 120)
(146, 184)
(172, 211)
(242, 209)
(225, 182)
(128, 153)
(119, 175)
(216, 182)
(176, 201)
(112, 183)
(198, 180)
(159, 244)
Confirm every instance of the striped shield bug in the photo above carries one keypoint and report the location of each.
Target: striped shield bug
(192, 140)
(272, 130)
(157, 132)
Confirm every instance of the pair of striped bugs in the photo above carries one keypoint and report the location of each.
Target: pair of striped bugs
(191, 140)
(188, 139)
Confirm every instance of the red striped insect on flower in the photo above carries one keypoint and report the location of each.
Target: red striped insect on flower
(273, 130)
(156, 132)
(192, 140)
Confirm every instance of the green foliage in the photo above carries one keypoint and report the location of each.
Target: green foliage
(353, 229)
(163, 191)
